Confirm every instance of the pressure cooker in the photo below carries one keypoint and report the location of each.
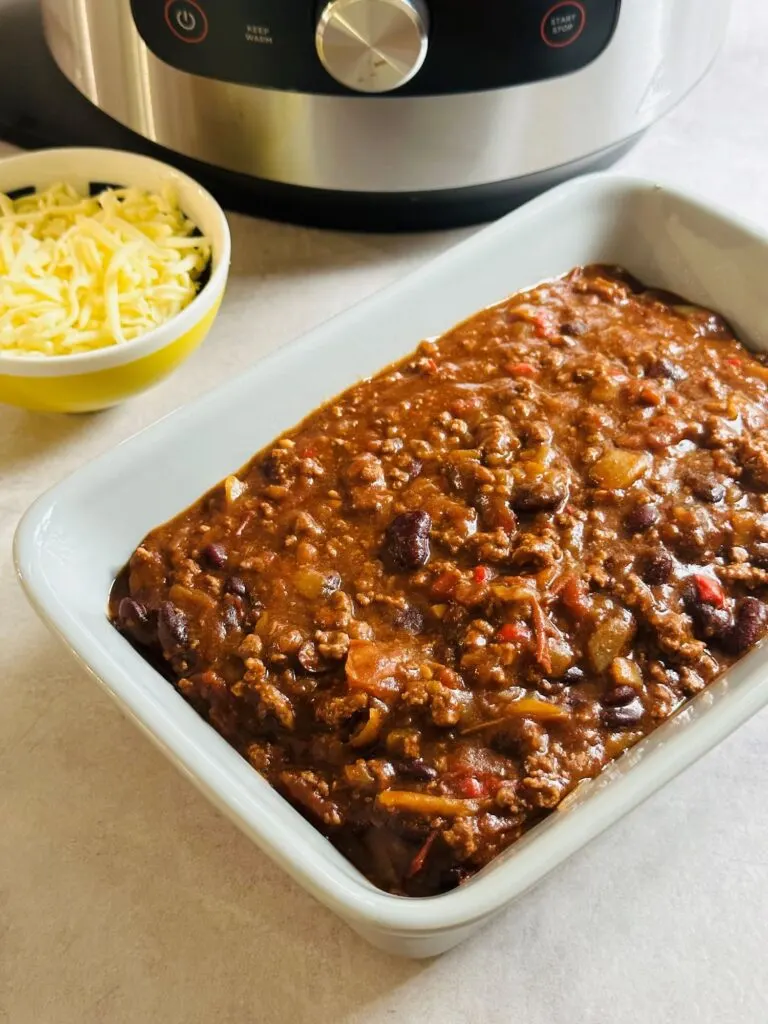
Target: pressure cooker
(388, 113)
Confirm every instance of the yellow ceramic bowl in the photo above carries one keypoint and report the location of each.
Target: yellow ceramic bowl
(95, 380)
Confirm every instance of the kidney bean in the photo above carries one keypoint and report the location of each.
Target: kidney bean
(657, 567)
(172, 628)
(416, 768)
(409, 619)
(710, 623)
(707, 488)
(132, 615)
(546, 494)
(689, 594)
(406, 542)
(665, 369)
(574, 328)
(215, 555)
(712, 325)
(573, 676)
(624, 717)
(236, 585)
(751, 622)
(618, 696)
(641, 518)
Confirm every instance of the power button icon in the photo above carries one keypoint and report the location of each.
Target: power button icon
(187, 20)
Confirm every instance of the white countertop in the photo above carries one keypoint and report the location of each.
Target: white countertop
(125, 897)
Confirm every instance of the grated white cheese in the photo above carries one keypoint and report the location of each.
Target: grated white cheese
(79, 273)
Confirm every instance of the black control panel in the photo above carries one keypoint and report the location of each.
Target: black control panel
(473, 44)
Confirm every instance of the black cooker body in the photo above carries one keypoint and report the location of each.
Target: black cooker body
(473, 45)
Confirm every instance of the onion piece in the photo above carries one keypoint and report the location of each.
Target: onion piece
(427, 804)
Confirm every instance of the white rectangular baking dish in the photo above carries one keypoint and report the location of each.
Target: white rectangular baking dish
(74, 539)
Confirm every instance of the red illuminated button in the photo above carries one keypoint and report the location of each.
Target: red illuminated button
(187, 20)
(563, 23)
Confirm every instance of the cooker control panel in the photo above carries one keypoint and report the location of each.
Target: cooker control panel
(372, 45)
(389, 47)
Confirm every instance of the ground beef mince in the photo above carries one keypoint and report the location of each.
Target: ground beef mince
(430, 610)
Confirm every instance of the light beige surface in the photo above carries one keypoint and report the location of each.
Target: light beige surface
(125, 897)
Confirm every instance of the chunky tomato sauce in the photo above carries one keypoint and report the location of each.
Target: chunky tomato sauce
(448, 596)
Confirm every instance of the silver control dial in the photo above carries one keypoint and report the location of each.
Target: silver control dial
(373, 45)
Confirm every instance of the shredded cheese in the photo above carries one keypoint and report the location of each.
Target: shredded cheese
(79, 273)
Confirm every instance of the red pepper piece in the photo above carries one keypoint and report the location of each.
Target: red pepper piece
(544, 327)
(480, 574)
(510, 632)
(649, 396)
(540, 632)
(733, 361)
(521, 369)
(418, 861)
(471, 788)
(573, 594)
(491, 783)
(709, 590)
